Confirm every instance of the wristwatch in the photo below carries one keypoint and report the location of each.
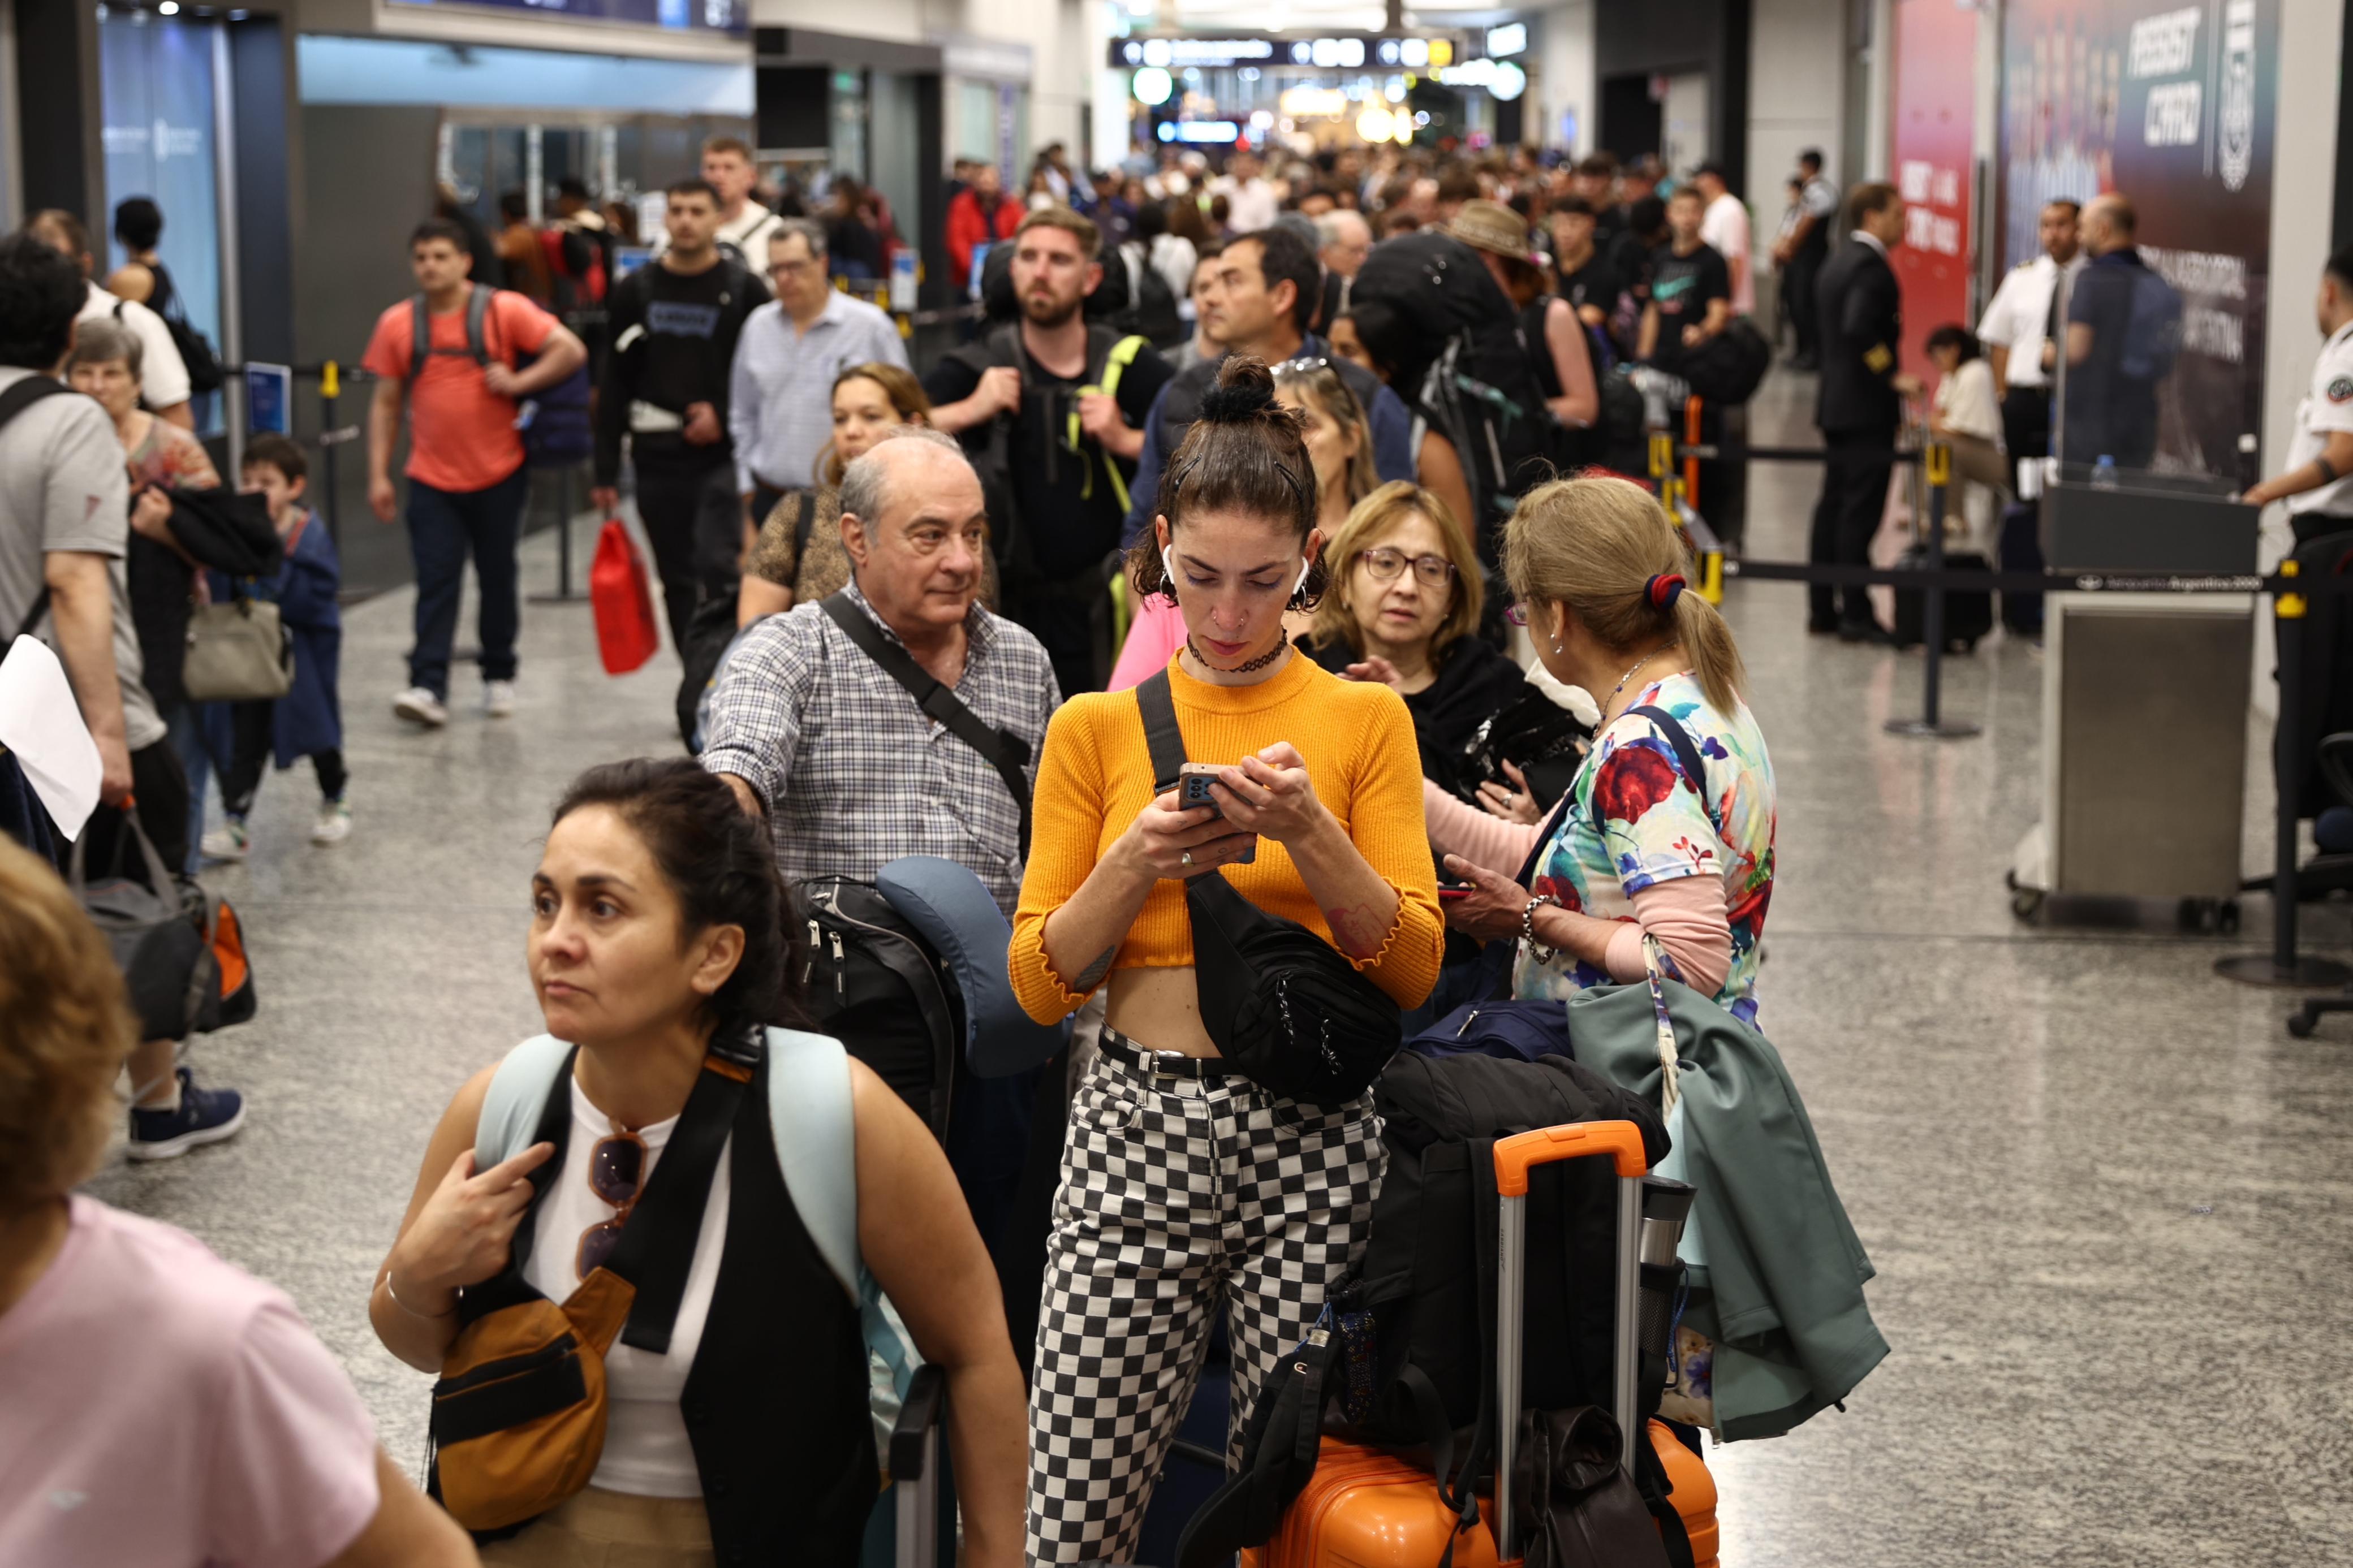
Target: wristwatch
(1541, 954)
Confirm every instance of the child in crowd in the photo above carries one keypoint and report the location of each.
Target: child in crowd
(307, 721)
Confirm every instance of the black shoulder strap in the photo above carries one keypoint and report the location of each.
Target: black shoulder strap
(1687, 755)
(656, 1253)
(1157, 705)
(420, 335)
(1007, 752)
(13, 402)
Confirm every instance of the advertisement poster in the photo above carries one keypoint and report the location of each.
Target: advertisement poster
(1932, 130)
(2171, 104)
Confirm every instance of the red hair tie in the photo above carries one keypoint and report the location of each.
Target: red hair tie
(1666, 588)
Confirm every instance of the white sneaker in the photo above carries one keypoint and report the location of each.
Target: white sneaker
(229, 841)
(335, 824)
(421, 707)
(498, 699)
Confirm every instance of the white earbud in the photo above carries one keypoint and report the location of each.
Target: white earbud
(1304, 568)
(1168, 568)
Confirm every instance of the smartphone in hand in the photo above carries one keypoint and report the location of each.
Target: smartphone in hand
(1193, 782)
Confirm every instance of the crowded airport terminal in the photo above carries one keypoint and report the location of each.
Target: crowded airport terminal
(1113, 692)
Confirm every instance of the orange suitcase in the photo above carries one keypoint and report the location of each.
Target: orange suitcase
(1367, 1507)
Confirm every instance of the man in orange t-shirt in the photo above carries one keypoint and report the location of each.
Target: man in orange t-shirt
(465, 479)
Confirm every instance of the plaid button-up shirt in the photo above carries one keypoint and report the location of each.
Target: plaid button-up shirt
(853, 773)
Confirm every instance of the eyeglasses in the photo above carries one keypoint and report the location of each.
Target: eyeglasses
(615, 1171)
(1384, 563)
(1516, 614)
(1303, 365)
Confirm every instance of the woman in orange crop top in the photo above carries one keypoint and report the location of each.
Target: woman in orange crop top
(1184, 1184)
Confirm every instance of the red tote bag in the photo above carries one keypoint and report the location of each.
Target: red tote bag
(627, 634)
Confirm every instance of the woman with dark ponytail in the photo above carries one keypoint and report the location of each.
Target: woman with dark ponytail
(664, 967)
(1187, 1187)
(1664, 841)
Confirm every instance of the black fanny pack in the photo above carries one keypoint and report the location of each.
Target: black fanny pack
(1280, 1003)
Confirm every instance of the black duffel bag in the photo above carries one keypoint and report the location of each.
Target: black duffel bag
(1280, 1004)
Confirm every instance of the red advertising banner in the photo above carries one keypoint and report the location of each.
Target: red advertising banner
(1932, 124)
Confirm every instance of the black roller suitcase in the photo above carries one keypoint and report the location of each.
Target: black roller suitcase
(2021, 551)
(1968, 612)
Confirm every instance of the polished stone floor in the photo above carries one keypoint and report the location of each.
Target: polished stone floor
(2110, 1199)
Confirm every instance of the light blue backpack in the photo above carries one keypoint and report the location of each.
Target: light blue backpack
(816, 1147)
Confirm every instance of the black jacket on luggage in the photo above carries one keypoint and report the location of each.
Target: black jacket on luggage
(1862, 333)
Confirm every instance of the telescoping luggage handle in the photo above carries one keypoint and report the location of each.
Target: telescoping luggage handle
(1515, 1157)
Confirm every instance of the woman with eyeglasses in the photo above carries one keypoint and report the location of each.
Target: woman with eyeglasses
(1403, 610)
(1188, 1189)
(1664, 842)
(657, 935)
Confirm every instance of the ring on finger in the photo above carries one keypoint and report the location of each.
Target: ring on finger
(1186, 859)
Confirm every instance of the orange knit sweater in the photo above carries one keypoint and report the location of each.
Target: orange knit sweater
(1096, 774)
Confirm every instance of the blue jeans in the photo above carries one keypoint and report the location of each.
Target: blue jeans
(443, 527)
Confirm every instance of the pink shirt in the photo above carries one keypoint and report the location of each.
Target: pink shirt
(161, 1409)
(1152, 639)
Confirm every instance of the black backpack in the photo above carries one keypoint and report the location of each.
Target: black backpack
(195, 350)
(554, 422)
(873, 983)
(1472, 368)
(1725, 370)
(1152, 306)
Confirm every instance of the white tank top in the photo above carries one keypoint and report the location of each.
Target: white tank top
(646, 1448)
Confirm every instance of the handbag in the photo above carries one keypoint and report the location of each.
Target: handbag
(518, 1410)
(238, 652)
(169, 968)
(1281, 1005)
(623, 599)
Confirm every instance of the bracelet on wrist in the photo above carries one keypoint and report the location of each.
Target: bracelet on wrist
(1538, 949)
(394, 1296)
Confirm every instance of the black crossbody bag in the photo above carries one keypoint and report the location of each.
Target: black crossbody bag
(1280, 1003)
(1005, 752)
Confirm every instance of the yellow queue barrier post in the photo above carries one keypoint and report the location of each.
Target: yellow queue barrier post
(1936, 462)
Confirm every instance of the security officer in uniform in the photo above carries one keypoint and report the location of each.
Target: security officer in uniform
(1860, 404)
(2316, 485)
(2021, 331)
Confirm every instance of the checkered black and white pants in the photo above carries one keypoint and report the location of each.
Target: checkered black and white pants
(1179, 1196)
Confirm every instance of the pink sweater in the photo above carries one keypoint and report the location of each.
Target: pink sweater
(1688, 916)
(1152, 639)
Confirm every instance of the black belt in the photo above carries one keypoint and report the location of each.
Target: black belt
(1165, 1064)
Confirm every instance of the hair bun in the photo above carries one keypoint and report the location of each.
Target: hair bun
(1245, 389)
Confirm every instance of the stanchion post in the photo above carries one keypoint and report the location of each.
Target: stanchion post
(564, 594)
(1936, 461)
(2282, 966)
(330, 388)
(1691, 459)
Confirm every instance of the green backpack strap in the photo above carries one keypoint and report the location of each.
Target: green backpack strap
(1105, 380)
(519, 1091)
(816, 1133)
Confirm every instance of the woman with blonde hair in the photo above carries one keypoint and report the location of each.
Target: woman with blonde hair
(1403, 610)
(1664, 840)
(798, 554)
(185, 1401)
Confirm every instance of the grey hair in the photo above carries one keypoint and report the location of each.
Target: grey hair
(813, 232)
(1332, 227)
(101, 339)
(865, 480)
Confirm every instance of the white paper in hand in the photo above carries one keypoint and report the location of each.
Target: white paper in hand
(41, 723)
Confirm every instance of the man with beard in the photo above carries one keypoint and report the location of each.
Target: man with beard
(1052, 410)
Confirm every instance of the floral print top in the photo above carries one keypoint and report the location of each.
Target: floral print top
(1633, 820)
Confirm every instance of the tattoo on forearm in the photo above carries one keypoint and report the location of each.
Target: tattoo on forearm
(1092, 975)
(1358, 931)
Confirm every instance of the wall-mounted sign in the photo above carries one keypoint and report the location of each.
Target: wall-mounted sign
(1502, 78)
(1339, 52)
(1210, 131)
(701, 16)
(1511, 39)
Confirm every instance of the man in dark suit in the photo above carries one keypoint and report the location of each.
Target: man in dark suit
(1860, 404)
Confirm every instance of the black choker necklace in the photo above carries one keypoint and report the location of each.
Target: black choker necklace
(1261, 662)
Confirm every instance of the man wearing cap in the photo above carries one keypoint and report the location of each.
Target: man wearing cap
(1559, 363)
(1724, 228)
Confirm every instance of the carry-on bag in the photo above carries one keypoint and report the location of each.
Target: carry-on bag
(1968, 612)
(238, 652)
(1373, 1507)
(2021, 550)
(627, 634)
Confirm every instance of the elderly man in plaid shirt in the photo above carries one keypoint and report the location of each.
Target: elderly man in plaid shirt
(810, 731)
